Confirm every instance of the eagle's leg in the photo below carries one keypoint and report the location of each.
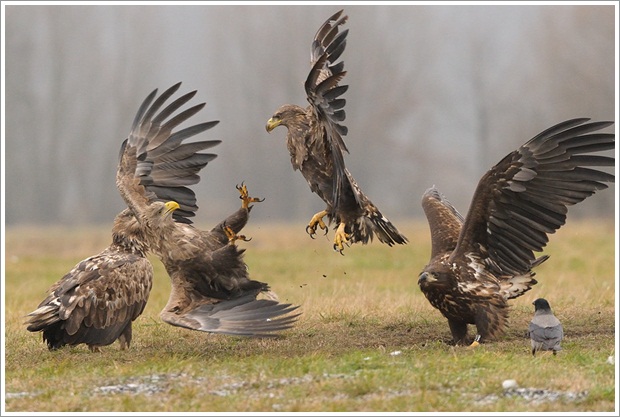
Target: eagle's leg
(458, 330)
(246, 200)
(317, 219)
(341, 238)
(233, 237)
(125, 338)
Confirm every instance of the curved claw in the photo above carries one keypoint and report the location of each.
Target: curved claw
(341, 250)
(245, 198)
(233, 237)
(316, 220)
(341, 238)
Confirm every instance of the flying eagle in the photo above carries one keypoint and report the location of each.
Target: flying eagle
(211, 287)
(315, 142)
(545, 329)
(480, 262)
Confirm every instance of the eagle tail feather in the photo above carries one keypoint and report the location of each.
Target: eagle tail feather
(374, 223)
(43, 317)
(245, 316)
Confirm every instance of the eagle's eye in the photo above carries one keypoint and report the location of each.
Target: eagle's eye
(427, 276)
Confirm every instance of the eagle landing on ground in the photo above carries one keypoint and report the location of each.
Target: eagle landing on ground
(314, 140)
(481, 261)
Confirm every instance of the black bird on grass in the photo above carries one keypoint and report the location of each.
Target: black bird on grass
(545, 329)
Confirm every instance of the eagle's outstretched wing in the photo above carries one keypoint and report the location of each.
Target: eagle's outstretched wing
(526, 195)
(324, 93)
(444, 221)
(155, 164)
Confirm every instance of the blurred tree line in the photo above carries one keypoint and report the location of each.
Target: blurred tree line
(438, 94)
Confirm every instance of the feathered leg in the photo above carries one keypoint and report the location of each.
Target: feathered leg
(125, 338)
(458, 330)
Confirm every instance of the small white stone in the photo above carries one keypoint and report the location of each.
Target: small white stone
(509, 384)
(395, 353)
(611, 360)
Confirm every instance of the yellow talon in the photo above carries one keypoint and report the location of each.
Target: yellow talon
(245, 199)
(341, 238)
(317, 219)
(475, 343)
(233, 237)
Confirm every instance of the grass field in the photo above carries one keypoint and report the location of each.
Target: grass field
(367, 340)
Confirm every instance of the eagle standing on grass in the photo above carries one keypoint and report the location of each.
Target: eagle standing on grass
(96, 302)
(211, 288)
(314, 140)
(545, 330)
(480, 262)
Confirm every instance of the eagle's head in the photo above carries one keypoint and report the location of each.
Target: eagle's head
(436, 275)
(158, 215)
(128, 234)
(161, 211)
(287, 115)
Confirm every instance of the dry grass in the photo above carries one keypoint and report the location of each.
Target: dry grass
(359, 310)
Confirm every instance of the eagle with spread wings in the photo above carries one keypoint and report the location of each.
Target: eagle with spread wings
(211, 287)
(315, 142)
(97, 301)
(481, 261)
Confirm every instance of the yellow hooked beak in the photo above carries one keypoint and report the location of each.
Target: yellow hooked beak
(170, 207)
(272, 124)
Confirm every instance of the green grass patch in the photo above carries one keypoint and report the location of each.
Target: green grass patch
(367, 340)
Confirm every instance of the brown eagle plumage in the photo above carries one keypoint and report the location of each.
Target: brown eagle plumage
(478, 263)
(315, 142)
(211, 289)
(96, 302)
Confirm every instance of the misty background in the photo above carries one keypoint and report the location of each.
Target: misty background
(437, 95)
